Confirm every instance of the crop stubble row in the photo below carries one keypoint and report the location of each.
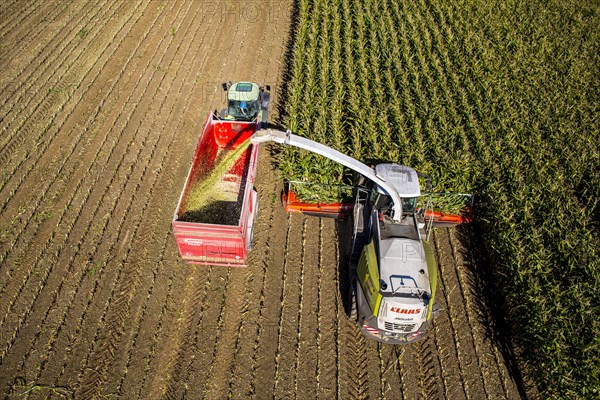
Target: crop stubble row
(135, 272)
(44, 96)
(32, 253)
(21, 209)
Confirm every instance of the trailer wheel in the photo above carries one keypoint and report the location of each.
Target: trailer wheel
(250, 239)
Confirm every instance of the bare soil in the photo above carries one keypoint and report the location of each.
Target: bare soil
(100, 110)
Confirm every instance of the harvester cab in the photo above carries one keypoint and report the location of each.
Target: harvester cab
(246, 101)
(406, 183)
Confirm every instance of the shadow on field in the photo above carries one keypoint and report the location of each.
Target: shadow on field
(490, 305)
(288, 59)
(279, 117)
(344, 232)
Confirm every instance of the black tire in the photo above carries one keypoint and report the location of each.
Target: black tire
(351, 305)
(250, 240)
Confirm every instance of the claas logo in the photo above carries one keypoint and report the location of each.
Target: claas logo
(405, 310)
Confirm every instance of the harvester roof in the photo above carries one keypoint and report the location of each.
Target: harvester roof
(404, 179)
(245, 91)
(401, 263)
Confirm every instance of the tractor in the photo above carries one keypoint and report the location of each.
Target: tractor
(246, 101)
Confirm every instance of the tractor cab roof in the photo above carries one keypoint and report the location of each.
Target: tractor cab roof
(243, 91)
(404, 179)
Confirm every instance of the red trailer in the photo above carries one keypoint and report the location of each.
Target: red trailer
(217, 229)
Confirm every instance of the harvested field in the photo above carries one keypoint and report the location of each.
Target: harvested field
(101, 107)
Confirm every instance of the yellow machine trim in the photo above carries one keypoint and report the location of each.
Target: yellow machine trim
(368, 276)
(433, 273)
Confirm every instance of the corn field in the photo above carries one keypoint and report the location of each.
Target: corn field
(498, 98)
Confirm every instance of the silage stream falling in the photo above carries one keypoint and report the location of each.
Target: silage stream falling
(213, 199)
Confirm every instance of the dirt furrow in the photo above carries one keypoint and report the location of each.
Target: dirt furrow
(307, 349)
(287, 336)
(42, 247)
(183, 334)
(340, 313)
(264, 25)
(409, 368)
(327, 316)
(430, 369)
(139, 370)
(12, 8)
(301, 302)
(391, 373)
(150, 320)
(31, 81)
(234, 315)
(25, 38)
(372, 378)
(48, 105)
(12, 14)
(75, 160)
(210, 331)
(245, 46)
(383, 386)
(241, 355)
(270, 237)
(445, 335)
(51, 95)
(21, 205)
(266, 346)
(354, 363)
(36, 43)
(447, 372)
